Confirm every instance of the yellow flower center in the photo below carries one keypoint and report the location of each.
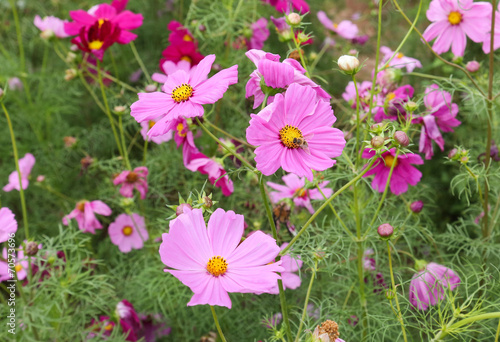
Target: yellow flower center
(187, 38)
(399, 55)
(455, 18)
(108, 327)
(390, 96)
(132, 177)
(217, 266)
(182, 93)
(95, 45)
(186, 58)
(180, 128)
(81, 206)
(336, 26)
(300, 192)
(18, 267)
(151, 124)
(127, 230)
(288, 134)
(101, 21)
(389, 160)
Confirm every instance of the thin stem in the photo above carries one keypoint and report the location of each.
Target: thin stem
(243, 142)
(394, 293)
(21, 191)
(362, 294)
(299, 51)
(463, 322)
(145, 153)
(269, 213)
(357, 119)
(498, 332)
(221, 335)
(324, 205)
(124, 146)
(336, 214)
(113, 79)
(306, 302)
(139, 60)
(264, 103)
(243, 160)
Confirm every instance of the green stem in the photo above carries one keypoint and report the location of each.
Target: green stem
(269, 213)
(113, 79)
(395, 294)
(463, 322)
(221, 335)
(145, 153)
(324, 205)
(243, 160)
(306, 302)
(139, 60)
(124, 146)
(498, 332)
(21, 191)
(336, 214)
(362, 294)
(358, 154)
(299, 51)
(264, 103)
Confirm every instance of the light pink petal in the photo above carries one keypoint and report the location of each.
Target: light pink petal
(258, 249)
(101, 208)
(290, 280)
(151, 105)
(213, 89)
(201, 71)
(225, 230)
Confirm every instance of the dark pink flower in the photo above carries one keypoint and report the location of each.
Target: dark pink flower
(102, 328)
(402, 175)
(84, 213)
(129, 320)
(391, 106)
(133, 179)
(25, 165)
(97, 38)
(285, 6)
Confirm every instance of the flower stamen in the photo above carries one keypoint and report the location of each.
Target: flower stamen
(95, 45)
(389, 160)
(127, 230)
(217, 266)
(288, 134)
(455, 18)
(182, 93)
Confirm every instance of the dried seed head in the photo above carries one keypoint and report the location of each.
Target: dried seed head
(331, 328)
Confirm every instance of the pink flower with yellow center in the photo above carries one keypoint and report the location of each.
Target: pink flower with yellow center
(391, 106)
(128, 232)
(51, 26)
(213, 261)
(295, 132)
(133, 179)
(455, 20)
(399, 61)
(84, 214)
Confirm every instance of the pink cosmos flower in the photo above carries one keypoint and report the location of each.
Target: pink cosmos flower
(364, 94)
(129, 320)
(295, 132)
(25, 165)
(102, 328)
(197, 161)
(295, 189)
(84, 213)
(260, 33)
(276, 76)
(288, 277)
(169, 67)
(51, 26)
(21, 265)
(455, 20)
(285, 6)
(133, 179)
(183, 46)
(183, 94)
(427, 286)
(496, 34)
(346, 29)
(213, 262)
(391, 106)
(402, 175)
(97, 38)
(179, 34)
(128, 232)
(400, 61)
(442, 116)
(8, 224)
(147, 125)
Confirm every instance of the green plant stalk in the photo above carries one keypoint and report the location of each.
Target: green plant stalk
(113, 79)
(139, 60)
(399, 315)
(145, 151)
(299, 51)
(243, 160)
(324, 205)
(306, 302)
(107, 111)
(383, 195)
(21, 191)
(358, 154)
(362, 294)
(498, 332)
(124, 146)
(264, 103)
(269, 213)
(336, 214)
(377, 60)
(221, 335)
(463, 322)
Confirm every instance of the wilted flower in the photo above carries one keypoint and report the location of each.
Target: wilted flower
(84, 213)
(133, 179)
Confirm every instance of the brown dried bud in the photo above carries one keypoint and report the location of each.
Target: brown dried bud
(31, 248)
(331, 328)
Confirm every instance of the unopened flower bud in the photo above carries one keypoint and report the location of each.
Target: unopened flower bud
(294, 19)
(202, 28)
(472, 66)
(70, 57)
(464, 159)
(119, 109)
(1, 92)
(389, 294)
(319, 254)
(74, 47)
(69, 141)
(180, 208)
(207, 202)
(411, 106)
(377, 141)
(353, 52)
(376, 126)
(150, 88)
(40, 178)
(47, 34)
(31, 248)
(401, 138)
(126, 202)
(70, 74)
(417, 206)
(348, 64)
(302, 37)
(385, 230)
(452, 153)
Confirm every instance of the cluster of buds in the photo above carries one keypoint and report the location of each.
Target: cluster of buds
(459, 154)
(200, 201)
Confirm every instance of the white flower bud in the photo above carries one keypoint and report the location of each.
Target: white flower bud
(348, 64)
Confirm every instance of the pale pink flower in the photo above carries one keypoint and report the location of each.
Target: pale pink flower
(296, 190)
(391, 103)
(51, 26)
(363, 91)
(128, 232)
(8, 224)
(260, 33)
(455, 20)
(346, 28)
(496, 34)
(399, 61)
(214, 261)
(84, 214)
(133, 179)
(288, 277)
(25, 165)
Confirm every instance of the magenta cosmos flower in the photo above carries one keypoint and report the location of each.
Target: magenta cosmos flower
(84, 213)
(442, 116)
(364, 94)
(427, 286)
(129, 320)
(402, 175)
(391, 106)
(295, 132)
(294, 188)
(8, 224)
(128, 232)
(276, 76)
(455, 20)
(346, 29)
(399, 61)
(496, 34)
(183, 46)
(288, 277)
(184, 94)
(214, 261)
(260, 33)
(285, 6)
(102, 328)
(133, 179)
(51, 26)
(25, 165)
